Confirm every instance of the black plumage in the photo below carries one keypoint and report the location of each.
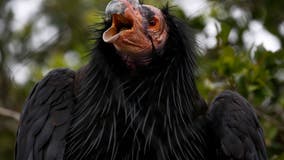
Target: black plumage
(109, 111)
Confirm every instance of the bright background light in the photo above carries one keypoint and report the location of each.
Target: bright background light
(44, 33)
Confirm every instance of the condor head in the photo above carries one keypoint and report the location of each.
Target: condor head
(137, 30)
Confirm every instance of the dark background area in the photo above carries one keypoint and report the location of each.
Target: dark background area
(232, 55)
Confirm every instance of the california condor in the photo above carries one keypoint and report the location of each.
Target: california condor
(136, 100)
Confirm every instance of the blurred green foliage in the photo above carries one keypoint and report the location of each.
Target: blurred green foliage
(256, 73)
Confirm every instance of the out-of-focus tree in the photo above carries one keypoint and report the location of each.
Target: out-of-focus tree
(247, 57)
(231, 57)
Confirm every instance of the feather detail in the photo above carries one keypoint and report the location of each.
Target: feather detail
(146, 115)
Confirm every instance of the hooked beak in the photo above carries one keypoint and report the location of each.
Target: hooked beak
(123, 13)
(119, 6)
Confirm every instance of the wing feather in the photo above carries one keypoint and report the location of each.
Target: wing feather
(46, 118)
(236, 130)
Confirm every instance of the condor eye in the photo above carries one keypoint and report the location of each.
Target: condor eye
(152, 22)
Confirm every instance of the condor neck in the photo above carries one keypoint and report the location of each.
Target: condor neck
(166, 85)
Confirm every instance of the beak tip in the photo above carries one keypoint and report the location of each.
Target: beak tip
(119, 6)
(114, 7)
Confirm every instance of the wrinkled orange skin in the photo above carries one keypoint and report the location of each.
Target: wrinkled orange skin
(140, 40)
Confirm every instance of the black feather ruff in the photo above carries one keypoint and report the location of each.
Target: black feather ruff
(149, 113)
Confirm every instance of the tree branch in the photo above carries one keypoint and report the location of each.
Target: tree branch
(9, 113)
